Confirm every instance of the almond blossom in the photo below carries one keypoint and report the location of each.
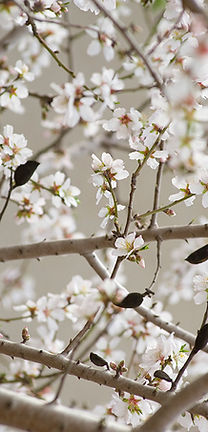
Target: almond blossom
(13, 149)
(107, 84)
(130, 409)
(11, 97)
(129, 246)
(23, 71)
(201, 187)
(86, 5)
(183, 186)
(73, 102)
(142, 150)
(103, 39)
(109, 211)
(30, 206)
(124, 123)
(112, 170)
(200, 283)
(60, 188)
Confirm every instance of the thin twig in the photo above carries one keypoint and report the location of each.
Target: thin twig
(156, 201)
(158, 266)
(73, 344)
(54, 143)
(161, 209)
(8, 196)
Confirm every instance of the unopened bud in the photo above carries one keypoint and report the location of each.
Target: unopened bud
(25, 335)
(169, 212)
(113, 365)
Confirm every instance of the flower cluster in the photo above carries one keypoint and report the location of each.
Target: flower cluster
(104, 115)
(13, 150)
(106, 174)
(129, 247)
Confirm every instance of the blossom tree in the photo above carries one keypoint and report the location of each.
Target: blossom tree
(124, 339)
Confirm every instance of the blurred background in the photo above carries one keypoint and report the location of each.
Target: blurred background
(53, 273)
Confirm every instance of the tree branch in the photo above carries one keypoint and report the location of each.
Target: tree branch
(183, 400)
(59, 362)
(27, 413)
(84, 246)
(147, 314)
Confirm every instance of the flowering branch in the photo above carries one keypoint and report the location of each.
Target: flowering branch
(183, 400)
(179, 332)
(79, 370)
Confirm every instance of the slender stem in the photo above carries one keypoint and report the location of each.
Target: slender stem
(52, 145)
(8, 196)
(156, 201)
(204, 321)
(166, 207)
(182, 370)
(158, 266)
(134, 177)
(16, 318)
(72, 345)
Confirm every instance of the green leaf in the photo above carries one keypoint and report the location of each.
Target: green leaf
(158, 5)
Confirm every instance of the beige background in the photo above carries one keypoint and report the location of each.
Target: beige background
(52, 274)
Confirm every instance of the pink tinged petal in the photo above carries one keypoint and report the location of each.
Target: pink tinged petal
(152, 163)
(142, 263)
(86, 113)
(176, 197)
(112, 125)
(120, 243)
(108, 53)
(189, 201)
(136, 156)
(138, 243)
(205, 200)
(71, 117)
(94, 48)
(107, 160)
(200, 297)
(196, 188)
(122, 132)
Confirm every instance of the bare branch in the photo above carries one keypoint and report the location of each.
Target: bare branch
(27, 413)
(84, 246)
